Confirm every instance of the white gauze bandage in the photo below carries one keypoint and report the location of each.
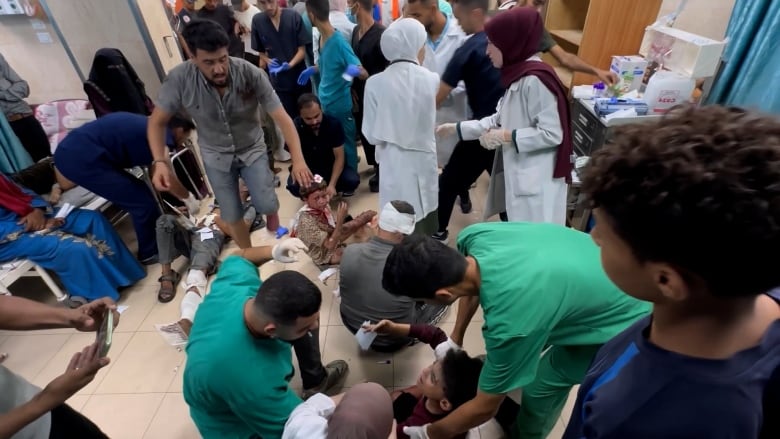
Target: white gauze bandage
(391, 220)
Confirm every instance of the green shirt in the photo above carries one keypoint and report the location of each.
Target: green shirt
(542, 284)
(237, 386)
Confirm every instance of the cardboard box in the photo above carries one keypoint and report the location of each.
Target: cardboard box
(630, 70)
(692, 55)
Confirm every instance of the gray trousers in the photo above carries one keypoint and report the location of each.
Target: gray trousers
(173, 240)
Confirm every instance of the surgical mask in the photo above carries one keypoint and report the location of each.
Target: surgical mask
(351, 15)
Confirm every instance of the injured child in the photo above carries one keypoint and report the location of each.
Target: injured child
(441, 388)
(315, 225)
(204, 246)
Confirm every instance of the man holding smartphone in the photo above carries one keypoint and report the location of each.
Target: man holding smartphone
(31, 412)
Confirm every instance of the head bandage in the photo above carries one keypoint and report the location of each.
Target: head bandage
(391, 220)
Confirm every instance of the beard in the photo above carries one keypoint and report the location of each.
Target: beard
(220, 83)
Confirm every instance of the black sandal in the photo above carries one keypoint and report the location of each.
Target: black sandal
(165, 295)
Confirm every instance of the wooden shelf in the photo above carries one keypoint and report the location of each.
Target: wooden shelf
(572, 36)
(565, 75)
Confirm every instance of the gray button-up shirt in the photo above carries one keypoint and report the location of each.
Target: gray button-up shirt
(228, 126)
(13, 90)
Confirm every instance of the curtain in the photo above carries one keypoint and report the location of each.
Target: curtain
(751, 69)
(13, 156)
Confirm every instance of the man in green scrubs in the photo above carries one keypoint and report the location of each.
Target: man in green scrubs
(548, 307)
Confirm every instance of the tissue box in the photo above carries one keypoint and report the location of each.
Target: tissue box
(630, 70)
(689, 54)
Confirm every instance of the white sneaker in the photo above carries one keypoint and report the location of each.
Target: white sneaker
(282, 155)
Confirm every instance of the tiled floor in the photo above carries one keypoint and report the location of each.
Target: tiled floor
(139, 394)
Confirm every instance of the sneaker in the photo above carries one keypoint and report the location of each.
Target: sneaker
(347, 194)
(151, 260)
(333, 382)
(373, 183)
(465, 205)
(442, 236)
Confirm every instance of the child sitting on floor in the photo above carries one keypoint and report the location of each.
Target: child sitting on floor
(316, 226)
(443, 386)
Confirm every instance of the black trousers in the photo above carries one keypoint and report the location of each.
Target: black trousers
(468, 161)
(33, 138)
(368, 149)
(307, 351)
(67, 423)
(289, 99)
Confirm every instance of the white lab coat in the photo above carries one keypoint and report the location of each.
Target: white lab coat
(455, 107)
(522, 182)
(399, 118)
(341, 23)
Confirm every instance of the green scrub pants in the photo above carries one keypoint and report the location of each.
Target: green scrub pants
(560, 368)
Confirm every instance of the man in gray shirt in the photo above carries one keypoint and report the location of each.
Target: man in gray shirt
(224, 95)
(13, 90)
(362, 295)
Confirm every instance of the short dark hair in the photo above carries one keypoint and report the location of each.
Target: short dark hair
(181, 121)
(421, 265)
(307, 99)
(403, 207)
(699, 190)
(286, 296)
(366, 5)
(460, 375)
(206, 35)
(474, 4)
(424, 2)
(320, 9)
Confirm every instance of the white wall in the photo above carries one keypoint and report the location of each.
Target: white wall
(45, 66)
(708, 18)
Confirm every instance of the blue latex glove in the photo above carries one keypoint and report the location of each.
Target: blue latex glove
(352, 70)
(275, 68)
(303, 78)
(281, 231)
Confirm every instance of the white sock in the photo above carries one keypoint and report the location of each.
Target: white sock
(190, 304)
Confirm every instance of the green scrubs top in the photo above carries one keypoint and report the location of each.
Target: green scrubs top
(542, 285)
(237, 386)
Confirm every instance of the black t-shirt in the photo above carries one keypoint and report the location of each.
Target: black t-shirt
(318, 149)
(471, 65)
(369, 53)
(224, 16)
(281, 44)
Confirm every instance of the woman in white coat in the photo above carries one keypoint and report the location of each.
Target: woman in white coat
(400, 119)
(530, 130)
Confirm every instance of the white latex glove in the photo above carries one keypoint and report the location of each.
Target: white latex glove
(417, 432)
(193, 205)
(286, 251)
(444, 347)
(446, 129)
(493, 139)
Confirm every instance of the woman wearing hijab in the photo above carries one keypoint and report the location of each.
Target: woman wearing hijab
(530, 129)
(400, 119)
(82, 248)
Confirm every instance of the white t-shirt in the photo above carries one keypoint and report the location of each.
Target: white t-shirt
(245, 19)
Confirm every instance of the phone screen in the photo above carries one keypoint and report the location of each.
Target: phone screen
(104, 334)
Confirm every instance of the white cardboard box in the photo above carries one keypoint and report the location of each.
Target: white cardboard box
(630, 71)
(692, 55)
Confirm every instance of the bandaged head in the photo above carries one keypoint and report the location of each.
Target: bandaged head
(403, 39)
(391, 220)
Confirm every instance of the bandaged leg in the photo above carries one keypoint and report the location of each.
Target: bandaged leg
(196, 289)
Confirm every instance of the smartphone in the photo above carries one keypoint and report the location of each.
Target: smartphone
(104, 334)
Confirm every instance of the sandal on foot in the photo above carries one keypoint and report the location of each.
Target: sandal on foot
(165, 295)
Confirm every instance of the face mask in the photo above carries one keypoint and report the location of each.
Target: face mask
(351, 16)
